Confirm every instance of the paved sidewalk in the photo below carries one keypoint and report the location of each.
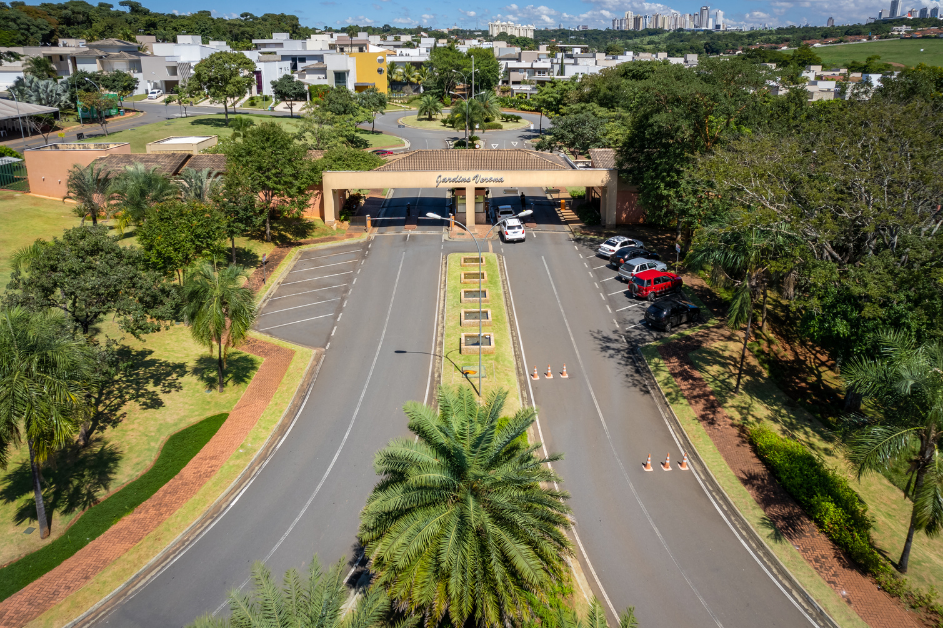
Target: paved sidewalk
(36, 598)
(873, 605)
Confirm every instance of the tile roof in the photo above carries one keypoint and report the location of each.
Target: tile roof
(603, 158)
(112, 42)
(216, 163)
(168, 164)
(474, 160)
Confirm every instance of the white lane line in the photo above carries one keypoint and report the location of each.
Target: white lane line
(628, 307)
(295, 322)
(609, 310)
(302, 270)
(585, 265)
(354, 252)
(354, 416)
(591, 255)
(637, 325)
(601, 266)
(298, 306)
(602, 297)
(617, 325)
(289, 283)
(575, 247)
(589, 272)
(613, 293)
(534, 235)
(286, 296)
(436, 321)
(333, 330)
(354, 282)
(613, 450)
(544, 448)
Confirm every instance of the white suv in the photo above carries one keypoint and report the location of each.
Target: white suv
(512, 230)
(155, 94)
(633, 266)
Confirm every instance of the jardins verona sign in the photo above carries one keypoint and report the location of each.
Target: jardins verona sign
(476, 179)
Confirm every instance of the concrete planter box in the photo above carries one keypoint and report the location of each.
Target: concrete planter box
(472, 296)
(468, 344)
(473, 277)
(471, 261)
(468, 318)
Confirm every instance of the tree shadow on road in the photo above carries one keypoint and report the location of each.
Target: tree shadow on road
(614, 348)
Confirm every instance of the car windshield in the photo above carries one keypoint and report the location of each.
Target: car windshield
(612, 242)
(628, 267)
(639, 282)
(513, 223)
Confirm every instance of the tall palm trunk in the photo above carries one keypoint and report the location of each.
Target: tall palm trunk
(94, 212)
(220, 364)
(764, 309)
(903, 565)
(741, 363)
(41, 520)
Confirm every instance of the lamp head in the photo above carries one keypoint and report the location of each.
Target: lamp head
(527, 212)
(432, 215)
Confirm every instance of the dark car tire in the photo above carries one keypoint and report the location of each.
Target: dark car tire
(651, 297)
(668, 327)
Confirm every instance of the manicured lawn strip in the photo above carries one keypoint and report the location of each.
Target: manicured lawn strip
(753, 513)
(502, 362)
(437, 125)
(134, 559)
(380, 140)
(764, 403)
(908, 52)
(176, 453)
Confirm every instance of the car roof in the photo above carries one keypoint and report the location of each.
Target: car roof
(640, 260)
(653, 273)
(513, 222)
(508, 207)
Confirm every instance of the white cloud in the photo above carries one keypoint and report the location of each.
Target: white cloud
(426, 17)
(356, 20)
(468, 13)
(402, 20)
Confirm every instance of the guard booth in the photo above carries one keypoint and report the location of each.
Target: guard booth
(481, 206)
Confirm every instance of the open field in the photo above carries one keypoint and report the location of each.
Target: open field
(907, 52)
(499, 367)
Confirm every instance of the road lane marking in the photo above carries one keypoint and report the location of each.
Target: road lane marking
(613, 293)
(585, 265)
(589, 272)
(602, 296)
(354, 416)
(590, 256)
(302, 270)
(289, 283)
(613, 450)
(354, 252)
(628, 307)
(295, 322)
(333, 330)
(298, 306)
(601, 266)
(436, 321)
(286, 296)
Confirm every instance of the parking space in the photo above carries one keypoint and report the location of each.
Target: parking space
(306, 305)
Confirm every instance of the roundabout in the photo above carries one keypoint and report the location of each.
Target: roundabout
(436, 124)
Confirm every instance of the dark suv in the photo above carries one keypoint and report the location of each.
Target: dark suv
(667, 313)
(625, 253)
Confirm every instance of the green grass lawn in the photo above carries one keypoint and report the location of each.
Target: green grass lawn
(499, 367)
(908, 52)
(376, 139)
(26, 218)
(437, 125)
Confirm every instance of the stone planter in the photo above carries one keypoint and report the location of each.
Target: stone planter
(471, 261)
(468, 344)
(472, 296)
(470, 318)
(473, 277)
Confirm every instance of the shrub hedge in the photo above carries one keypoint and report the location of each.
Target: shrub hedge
(823, 493)
(492, 126)
(174, 456)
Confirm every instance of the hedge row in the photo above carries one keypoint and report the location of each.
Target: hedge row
(176, 453)
(823, 493)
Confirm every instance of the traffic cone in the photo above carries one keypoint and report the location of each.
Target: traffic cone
(564, 371)
(549, 375)
(648, 466)
(535, 374)
(666, 466)
(685, 462)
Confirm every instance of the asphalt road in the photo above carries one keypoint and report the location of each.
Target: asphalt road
(651, 540)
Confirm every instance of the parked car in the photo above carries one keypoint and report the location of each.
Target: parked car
(651, 284)
(636, 266)
(155, 93)
(668, 313)
(612, 244)
(625, 253)
(513, 230)
(503, 211)
(382, 153)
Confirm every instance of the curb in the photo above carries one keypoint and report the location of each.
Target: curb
(769, 562)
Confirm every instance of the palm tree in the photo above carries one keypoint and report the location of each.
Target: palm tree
(91, 188)
(465, 521)
(423, 75)
(44, 376)
(409, 73)
(393, 71)
(315, 601)
(905, 383)
(564, 616)
(198, 185)
(218, 309)
(429, 105)
(136, 190)
(40, 67)
(490, 105)
(742, 256)
(240, 124)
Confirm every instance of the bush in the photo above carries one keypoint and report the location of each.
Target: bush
(474, 138)
(510, 117)
(823, 493)
(588, 214)
(6, 151)
(492, 126)
(351, 206)
(578, 193)
(174, 456)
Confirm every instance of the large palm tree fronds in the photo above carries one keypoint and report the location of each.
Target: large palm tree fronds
(463, 521)
(91, 188)
(219, 309)
(429, 105)
(239, 126)
(198, 185)
(44, 378)
(137, 190)
(313, 601)
(490, 105)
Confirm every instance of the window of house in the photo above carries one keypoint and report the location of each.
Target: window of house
(172, 70)
(341, 79)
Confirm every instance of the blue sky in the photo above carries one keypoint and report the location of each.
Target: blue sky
(594, 13)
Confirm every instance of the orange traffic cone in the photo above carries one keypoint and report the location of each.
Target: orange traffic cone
(685, 462)
(564, 371)
(535, 374)
(666, 466)
(647, 466)
(549, 375)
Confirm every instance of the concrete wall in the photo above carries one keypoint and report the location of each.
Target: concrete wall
(47, 167)
(366, 68)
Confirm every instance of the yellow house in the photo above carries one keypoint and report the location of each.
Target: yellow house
(371, 70)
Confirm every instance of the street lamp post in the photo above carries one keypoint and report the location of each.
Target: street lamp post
(479, 249)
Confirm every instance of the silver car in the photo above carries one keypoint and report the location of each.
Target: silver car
(633, 266)
(612, 244)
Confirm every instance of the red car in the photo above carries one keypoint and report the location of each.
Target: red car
(383, 153)
(652, 284)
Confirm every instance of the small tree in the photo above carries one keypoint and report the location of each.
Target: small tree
(225, 77)
(174, 234)
(290, 90)
(429, 105)
(99, 104)
(122, 83)
(43, 124)
(219, 310)
(91, 188)
(40, 67)
(373, 101)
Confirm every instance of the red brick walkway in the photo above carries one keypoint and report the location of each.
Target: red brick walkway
(873, 605)
(77, 571)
